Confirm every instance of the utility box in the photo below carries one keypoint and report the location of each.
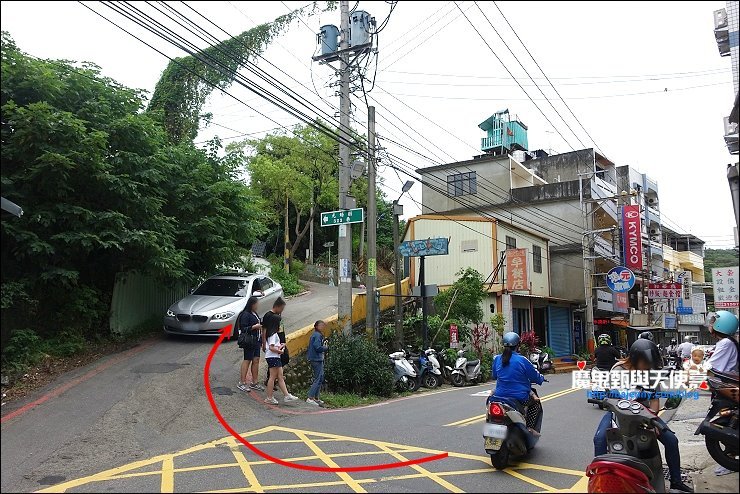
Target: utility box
(328, 39)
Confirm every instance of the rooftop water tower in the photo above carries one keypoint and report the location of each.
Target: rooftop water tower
(505, 134)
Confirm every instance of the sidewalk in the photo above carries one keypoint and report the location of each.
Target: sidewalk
(694, 456)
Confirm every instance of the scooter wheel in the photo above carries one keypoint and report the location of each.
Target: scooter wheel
(500, 459)
(430, 381)
(412, 385)
(440, 381)
(723, 454)
(458, 380)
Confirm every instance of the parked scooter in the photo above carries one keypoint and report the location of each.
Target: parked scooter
(405, 377)
(444, 366)
(720, 427)
(435, 368)
(540, 360)
(465, 370)
(510, 430)
(633, 463)
(425, 370)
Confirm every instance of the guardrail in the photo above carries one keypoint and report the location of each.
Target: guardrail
(297, 341)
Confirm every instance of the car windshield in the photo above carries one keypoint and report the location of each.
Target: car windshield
(222, 288)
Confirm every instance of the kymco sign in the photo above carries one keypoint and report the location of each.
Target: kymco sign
(632, 237)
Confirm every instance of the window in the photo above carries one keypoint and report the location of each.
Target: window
(221, 287)
(537, 258)
(462, 184)
(266, 284)
(469, 246)
(510, 243)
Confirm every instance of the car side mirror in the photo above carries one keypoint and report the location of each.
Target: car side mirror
(258, 293)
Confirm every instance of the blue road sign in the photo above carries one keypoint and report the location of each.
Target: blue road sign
(620, 279)
(428, 247)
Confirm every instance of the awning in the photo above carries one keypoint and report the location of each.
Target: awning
(541, 297)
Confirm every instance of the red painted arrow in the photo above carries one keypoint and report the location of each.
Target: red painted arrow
(206, 381)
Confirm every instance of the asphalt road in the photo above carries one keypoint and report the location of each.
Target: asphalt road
(149, 400)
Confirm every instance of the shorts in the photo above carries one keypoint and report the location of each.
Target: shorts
(254, 352)
(274, 362)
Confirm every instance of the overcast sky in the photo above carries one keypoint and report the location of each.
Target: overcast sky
(644, 79)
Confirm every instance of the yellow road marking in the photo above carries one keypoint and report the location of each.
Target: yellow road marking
(479, 418)
(246, 469)
(168, 475)
(564, 471)
(436, 478)
(529, 480)
(352, 483)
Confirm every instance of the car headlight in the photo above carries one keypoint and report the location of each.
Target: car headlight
(222, 316)
(170, 313)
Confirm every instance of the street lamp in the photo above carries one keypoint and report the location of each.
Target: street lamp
(397, 212)
(734, 180)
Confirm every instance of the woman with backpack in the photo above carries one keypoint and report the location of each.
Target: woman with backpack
(250, 324)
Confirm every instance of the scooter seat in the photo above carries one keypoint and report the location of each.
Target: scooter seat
(627, 460)
(729, 377)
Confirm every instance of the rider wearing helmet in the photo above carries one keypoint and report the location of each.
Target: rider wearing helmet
(644, 355)
(514, 374)
(672, 348)
(724, 358)
(605, 354)
(647, 335)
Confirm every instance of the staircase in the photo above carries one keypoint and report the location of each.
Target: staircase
(564, 365)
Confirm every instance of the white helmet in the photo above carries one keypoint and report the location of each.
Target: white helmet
(687, 338)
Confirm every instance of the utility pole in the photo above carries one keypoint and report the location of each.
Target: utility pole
(372, 214)
(310, 233)
(588, 270)
(344, 301)
(286, 252)
(397, 213)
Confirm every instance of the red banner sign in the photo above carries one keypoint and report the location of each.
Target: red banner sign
(517, 272)
(453, 336)
(664, 290)
(632, 237)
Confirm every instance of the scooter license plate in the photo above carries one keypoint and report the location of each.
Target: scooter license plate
(493, 444)
(494, 431)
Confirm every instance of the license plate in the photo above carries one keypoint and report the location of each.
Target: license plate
(494, 431)
(494, 444)
(190, 326)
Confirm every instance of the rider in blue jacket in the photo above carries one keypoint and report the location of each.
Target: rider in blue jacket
(514, 374)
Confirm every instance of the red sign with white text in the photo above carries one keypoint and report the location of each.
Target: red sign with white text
(453, 336)
(632, 237)
(517, 269)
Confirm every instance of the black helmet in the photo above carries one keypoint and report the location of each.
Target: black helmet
(646, 350)
(646, 335)
(673, 341)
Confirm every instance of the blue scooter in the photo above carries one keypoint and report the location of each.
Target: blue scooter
(511, 429)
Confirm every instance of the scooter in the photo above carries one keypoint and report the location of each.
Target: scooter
(405, 377)
(465, 371)
(633, 463)
(510, 429)
(720, 427)
(540, 360)
(444, 366)
(425, 370)
(597, 390)
(435, 368)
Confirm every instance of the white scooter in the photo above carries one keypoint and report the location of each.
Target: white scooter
(465, 370)
(404, 372)
(436, 368)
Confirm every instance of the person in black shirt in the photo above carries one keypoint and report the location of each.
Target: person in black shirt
(250, 321)
(606, 355)
(272, 322)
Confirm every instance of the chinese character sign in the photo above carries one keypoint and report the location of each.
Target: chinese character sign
(620, 279)
(726, 285)
(664, 290)
(517, 269)
(632, 240)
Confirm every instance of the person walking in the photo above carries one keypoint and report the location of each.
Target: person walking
(274, 349)
(249, 321)
(273, 319)
(316, 351)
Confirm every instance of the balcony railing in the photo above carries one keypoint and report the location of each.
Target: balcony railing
(688, 259)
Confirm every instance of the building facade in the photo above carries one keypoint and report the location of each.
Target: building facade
(727, 35)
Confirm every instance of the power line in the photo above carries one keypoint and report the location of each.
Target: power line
(644, 77)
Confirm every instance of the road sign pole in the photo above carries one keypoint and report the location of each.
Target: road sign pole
(397, 211)
(424, 319)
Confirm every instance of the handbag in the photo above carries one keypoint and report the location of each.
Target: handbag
(285, 356)
(246, 340)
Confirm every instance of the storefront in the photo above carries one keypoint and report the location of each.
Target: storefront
(693, 325)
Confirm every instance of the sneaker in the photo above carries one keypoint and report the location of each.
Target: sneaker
(320, 402)
(257, 387)
(680, 487)
(243, 387)
(271, 401)
(290, 397)
(720, 470)
(313, 402)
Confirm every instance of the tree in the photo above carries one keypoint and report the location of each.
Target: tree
(104, 192)
(462, 301)
(302, 169)
(718, 258)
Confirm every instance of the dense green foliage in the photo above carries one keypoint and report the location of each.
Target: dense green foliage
(355, 365)
(187, 82)
(718, 258)
(462, 301)
(103, 192)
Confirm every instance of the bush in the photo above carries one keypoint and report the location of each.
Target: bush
(549, 351)
(529, 341)
(485, 365)
(289, 281)
(355, 365)
(298, 374)
(23, 349)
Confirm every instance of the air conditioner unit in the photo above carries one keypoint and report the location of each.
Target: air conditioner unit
(652, 200)
(655, 231)
(720, 19)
